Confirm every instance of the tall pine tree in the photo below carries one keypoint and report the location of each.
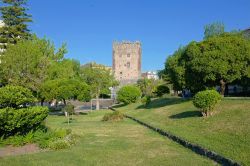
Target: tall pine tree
(15, 18)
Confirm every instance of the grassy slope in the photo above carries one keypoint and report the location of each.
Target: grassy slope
(227, 132)
(107, 143)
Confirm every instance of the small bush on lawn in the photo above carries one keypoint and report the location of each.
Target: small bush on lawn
(15, 97)
(146, 100)
(21, 121)
(69, 108)
(128, 94)
(114, 116)
(52, 139)
(161, 90)
(206, 101)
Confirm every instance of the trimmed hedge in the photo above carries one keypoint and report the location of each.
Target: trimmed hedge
(206, 101)
(21, 121)
(128, 94)
(15, 96)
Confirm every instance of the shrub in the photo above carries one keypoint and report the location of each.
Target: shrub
(161, 90)
(114, 116)
(15, 96)
(128, 94)
(69, 109)
(52, 139)
(206, 101)
(146, 100)
(22, 120)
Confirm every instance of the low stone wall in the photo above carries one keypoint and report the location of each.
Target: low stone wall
(194, 147)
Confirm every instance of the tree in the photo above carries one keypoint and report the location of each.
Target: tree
(175, 69)
(15, 18)
(26, 63)
(63, 89)
(147, 86)
(214, 29)
(217, 60)
(99, 79)
(64, 69)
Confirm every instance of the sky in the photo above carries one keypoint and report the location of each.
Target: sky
(89, 27)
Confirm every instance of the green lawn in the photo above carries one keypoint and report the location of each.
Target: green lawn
(227, 132)
(110, 143)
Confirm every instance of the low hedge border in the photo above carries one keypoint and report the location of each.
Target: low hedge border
(194, 147)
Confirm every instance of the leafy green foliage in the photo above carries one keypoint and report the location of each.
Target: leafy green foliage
(69, 108)
(217, 60)
(15, 19)
(15, 96)
(146, 100)
(63, 89)
(114, 116)
(52, 139)
(147, 86)
(128, 94)
(161, 90)
(99, 78)
(64, 69)
(214, 29)
(206, 101)
(27, 63)
(175, 69)
(21, 121)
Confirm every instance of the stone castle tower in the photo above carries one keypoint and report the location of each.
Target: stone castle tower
(127, 61)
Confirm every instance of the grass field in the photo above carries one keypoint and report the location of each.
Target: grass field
(227, 132)
(110, 143)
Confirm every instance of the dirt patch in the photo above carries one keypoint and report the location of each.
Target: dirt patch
(12, 151)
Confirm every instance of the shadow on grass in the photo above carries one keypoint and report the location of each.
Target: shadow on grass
(162, 102)
(187, 114)
(119, 105)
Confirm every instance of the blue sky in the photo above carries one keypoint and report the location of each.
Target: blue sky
(90, 26)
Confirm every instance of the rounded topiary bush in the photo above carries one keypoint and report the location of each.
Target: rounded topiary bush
(161, 90)
(128, 94)
(206, 101)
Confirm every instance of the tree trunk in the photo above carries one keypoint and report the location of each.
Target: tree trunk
(42, 101)
(97, 102)
(64, 102)
(222, 87)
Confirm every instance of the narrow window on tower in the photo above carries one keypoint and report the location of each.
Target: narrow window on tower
(128, 64)
(128, 55)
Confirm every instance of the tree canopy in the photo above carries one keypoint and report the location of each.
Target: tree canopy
(99, 79)
(214, 29)
(63, 89)
(217, 60)
(16, 19)
(26, 63)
